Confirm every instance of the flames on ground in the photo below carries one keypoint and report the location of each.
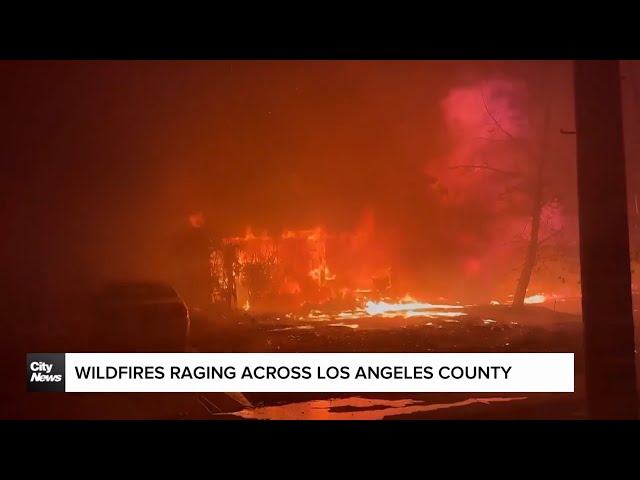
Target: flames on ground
(407, 307)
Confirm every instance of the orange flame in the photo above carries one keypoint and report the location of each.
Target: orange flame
(539, 298)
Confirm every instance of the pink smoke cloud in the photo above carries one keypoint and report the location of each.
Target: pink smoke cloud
(492, 109)
(488, 124)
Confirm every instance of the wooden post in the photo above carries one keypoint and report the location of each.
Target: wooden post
(604, 242)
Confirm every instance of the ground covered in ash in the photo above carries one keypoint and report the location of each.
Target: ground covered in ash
(483, 329)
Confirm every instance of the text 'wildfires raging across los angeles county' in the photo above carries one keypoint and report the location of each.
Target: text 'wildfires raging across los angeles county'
(292, 373)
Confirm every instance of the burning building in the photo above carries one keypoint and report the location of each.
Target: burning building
(299, 268)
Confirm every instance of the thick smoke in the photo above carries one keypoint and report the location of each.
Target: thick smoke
(487, 181)
(489, 109)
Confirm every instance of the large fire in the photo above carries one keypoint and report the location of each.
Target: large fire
(309, 267)
(318, 275)
(300, 279)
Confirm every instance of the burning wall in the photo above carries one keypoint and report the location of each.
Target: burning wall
(312, 266)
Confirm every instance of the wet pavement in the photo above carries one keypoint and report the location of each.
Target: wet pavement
(219, 406)
(357, 408)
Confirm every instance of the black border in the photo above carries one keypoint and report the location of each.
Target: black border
(434, 36)
(440, 31)
(473, 444)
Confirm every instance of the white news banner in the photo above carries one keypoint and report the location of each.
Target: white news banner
(303, 372)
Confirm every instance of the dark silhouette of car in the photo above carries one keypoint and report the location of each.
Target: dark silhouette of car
(141, 317)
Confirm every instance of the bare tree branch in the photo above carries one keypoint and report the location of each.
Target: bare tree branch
(492, 139)
(495, 121)
(549, 237)
(551, 257)
(548, 201)
(486, 167)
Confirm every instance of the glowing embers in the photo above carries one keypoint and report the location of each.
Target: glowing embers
(352, 326)
(318, 315)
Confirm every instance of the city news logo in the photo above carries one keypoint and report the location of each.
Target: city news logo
(45, 372)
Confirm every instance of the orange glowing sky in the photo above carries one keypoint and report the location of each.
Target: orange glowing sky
(125, 151)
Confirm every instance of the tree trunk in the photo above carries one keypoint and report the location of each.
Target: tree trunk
(537, 200)
(532, 247)
(607, 308)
